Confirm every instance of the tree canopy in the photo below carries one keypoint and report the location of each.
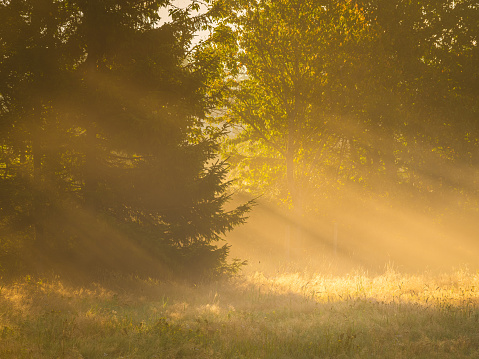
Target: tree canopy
(105, 158)
(338, 103)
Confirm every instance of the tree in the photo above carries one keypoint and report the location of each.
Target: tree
(289, 143)
(336, 99)
(424, 52)
(126, 164)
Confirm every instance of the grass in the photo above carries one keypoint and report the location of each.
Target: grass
(287, 315)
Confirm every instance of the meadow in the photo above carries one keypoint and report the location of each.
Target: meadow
(287, 314)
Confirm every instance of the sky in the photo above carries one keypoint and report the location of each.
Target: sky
(183, 4)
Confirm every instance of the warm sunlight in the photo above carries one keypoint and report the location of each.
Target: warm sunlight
(304, 313)
(264, 179)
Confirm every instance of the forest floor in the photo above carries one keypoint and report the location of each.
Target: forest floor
(282, 315)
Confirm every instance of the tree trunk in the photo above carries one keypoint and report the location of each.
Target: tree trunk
(90, 179)
(291, 189)
(293, 232)
(38, 195)
(91, 113)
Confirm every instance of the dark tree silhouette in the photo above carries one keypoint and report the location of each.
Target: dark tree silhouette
(106, 162)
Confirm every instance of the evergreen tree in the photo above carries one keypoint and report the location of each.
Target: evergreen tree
(121, 163)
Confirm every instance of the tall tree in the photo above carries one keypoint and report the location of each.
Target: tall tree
(280, 98)
(365, 94)
(130, 165)
(285, 52)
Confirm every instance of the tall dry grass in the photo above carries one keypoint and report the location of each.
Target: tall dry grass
(285, 315)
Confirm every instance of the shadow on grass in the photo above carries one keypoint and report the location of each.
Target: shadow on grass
(253, 317)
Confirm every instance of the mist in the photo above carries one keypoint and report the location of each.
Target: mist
(239, 179)
(364, 235)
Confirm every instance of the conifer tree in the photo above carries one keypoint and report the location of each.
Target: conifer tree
(116, 149)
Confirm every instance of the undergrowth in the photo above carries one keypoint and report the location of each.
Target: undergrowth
(288, 315)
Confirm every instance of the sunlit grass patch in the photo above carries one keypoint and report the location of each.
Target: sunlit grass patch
(288, 315)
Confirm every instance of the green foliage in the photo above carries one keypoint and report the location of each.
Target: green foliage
(328, 98)
(106, 161)
(285, 58)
